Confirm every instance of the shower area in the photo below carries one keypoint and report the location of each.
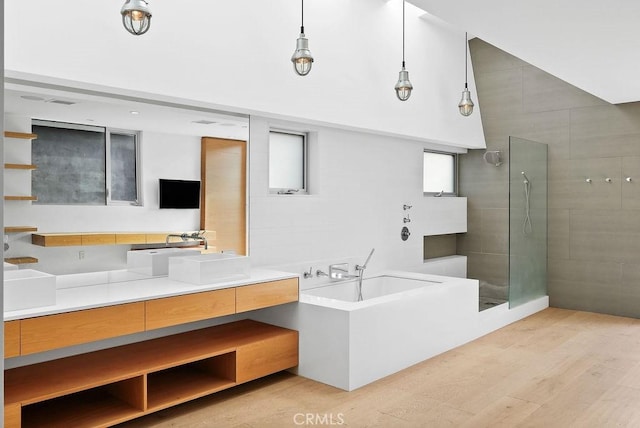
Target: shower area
(506, 239)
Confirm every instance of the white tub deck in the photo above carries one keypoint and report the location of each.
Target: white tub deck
(407, 318)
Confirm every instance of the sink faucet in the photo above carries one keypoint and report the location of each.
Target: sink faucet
(197, 236)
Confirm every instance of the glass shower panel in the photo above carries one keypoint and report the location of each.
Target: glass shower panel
(527, 221)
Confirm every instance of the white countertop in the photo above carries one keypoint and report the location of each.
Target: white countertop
(114, 293)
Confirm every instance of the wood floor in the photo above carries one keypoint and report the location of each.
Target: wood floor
(558, 368)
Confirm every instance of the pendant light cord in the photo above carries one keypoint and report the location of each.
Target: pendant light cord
(466, 45)
(302, 19)
(403, 2)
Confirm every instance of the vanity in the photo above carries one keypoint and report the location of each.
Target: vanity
(113, 385)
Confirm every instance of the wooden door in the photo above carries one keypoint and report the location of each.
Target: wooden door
(224, 190)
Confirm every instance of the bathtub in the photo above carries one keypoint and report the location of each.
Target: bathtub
(403, 319)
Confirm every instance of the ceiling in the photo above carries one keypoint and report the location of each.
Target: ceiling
(591, 44)
(109, 111)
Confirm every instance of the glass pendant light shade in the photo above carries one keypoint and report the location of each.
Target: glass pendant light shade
(301, 58)
(466, 105)
(403, 87)
(136, 16)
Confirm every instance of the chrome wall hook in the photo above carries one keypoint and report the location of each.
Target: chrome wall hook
(608, 180)
(588, 180)
(628, 179)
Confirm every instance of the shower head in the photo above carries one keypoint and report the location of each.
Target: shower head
(493, 157)
(526, 179)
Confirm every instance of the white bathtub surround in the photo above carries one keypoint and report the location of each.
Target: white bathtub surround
(413, 317)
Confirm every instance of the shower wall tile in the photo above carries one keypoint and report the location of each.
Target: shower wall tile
(605, 146)
(630, 290)
(471, 242)
(598, 193)
(544, 92)
(605, 235)
(585, 285)
(495, 230)
(489, 267)
(558, 235)
(631, 190)
(605, 121)
(486, 58)
(501, 91)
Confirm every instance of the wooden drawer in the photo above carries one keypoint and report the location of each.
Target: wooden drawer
(98, 239)
(131, 238)
(11, 339)
(12, 415)
(267, 356)
(73, 328)
(190, 307)
(266, 294)
(54, 240)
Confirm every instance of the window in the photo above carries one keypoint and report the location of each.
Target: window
(287, 162)
(85, 165)
(440, 174)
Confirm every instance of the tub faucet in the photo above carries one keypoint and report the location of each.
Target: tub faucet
(364, 266)
(320, 273)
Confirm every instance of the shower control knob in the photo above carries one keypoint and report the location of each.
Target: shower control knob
(404, 234)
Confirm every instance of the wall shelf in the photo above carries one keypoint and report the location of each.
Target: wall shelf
(21, 260)
(19, 166)
(20, 135)
(19, 229)
(20, 198)
(113, 385)
(102, 238)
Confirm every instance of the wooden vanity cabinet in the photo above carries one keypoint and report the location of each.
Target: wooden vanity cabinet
(265, 294)
(73, 328)
(11, 339)
(189, 308)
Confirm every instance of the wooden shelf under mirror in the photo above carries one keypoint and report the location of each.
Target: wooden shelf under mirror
(21, 260)
(19, 229)
(20, 135)
(20, 198)
(19, 166)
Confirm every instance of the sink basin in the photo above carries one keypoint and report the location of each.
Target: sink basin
(155, 262)
(28, 288)
(209, 268)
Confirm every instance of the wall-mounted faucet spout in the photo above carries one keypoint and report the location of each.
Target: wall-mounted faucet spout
(196, 236)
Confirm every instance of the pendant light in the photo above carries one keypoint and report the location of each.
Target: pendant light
(136, 16)
(301, 58)
(403, 87)
(465, 105)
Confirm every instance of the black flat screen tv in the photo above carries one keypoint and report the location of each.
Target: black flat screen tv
(182, 194)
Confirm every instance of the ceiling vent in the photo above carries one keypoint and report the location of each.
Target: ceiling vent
(204, 122)
(63, 102)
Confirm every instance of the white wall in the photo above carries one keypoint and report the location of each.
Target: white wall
(162, 156)
(359, 184)
(235, 55)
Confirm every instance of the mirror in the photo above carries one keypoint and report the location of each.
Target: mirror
(170, 148)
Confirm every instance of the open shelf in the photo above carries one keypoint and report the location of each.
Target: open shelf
(21, 135)
(93, 408)
(179, 384)
(21, 260)
(18, 229)
(20, 198)
(113, 385)
(19, 166)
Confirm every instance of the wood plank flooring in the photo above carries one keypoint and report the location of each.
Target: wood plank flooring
(557, 368)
